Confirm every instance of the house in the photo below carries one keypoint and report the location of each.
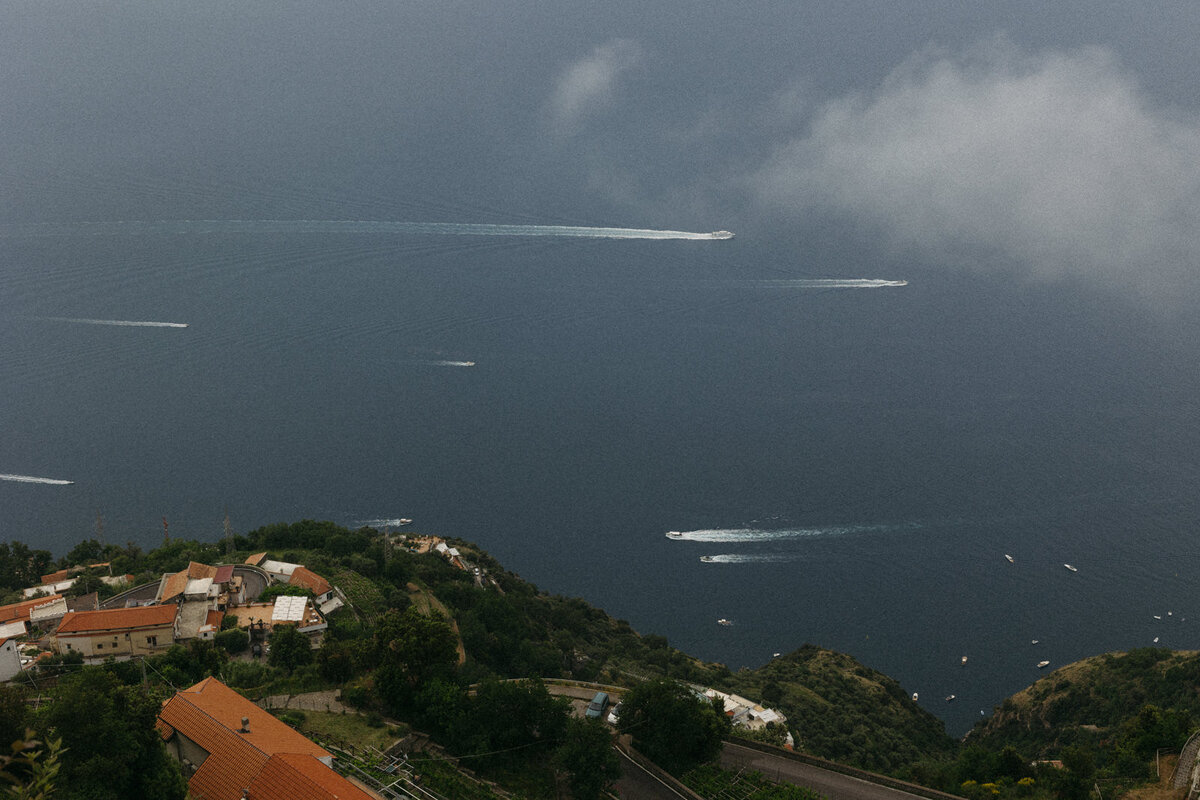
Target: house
(307, 579)
(45, 617)
(294, 610)
(10, 659)
(19, 612)
(193, 583)
(120, 632)
(231, 749)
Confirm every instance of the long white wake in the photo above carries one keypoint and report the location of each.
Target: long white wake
(336, 226)
(439, 363)
(760, 535)
(129, 323)
(823, 283)
(753, 558)
(33, 479)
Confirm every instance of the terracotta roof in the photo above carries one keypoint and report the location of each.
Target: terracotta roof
(210, 714)
(21, 610)
(255, 559)
(291, 775)
(117, 619)
(223, 574)
(177, 582)
(55, 577)
(214, 618)
(303, 576)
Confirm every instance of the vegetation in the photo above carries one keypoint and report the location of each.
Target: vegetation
(425, 644)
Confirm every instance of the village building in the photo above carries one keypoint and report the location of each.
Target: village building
(10, 659)
(119, 632)
(231, 749)
(20, 613)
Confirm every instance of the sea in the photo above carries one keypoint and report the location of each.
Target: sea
(280, 301)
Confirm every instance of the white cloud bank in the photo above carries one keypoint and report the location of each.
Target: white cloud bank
(589, 85)
(1054, 162)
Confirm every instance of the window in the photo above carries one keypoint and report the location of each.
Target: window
(99, 645)
(152, 641)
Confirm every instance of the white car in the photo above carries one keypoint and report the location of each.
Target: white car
(615, 714)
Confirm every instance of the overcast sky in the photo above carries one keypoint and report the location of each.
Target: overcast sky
(1050, 140)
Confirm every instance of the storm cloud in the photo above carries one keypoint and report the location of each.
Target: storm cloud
(588, 85)
(1057, 163)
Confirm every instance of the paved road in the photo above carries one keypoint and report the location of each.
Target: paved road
(637, 784)
(832, 785)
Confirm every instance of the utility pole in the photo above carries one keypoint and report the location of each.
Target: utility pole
(166, 534)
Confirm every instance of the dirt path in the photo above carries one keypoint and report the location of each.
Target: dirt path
(1161, 790)
(426, 603)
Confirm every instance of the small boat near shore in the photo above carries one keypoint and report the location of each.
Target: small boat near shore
(1068, 566)
(1043, 664)
(914, 697)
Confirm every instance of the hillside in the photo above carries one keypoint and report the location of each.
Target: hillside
(841, 710)
(1098, 701)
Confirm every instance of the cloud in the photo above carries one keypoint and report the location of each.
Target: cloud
(1055, 162)
(589, 85)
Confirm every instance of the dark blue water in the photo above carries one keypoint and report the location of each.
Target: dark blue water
(619, 389)
(622, 389)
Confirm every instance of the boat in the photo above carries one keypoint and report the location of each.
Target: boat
(1156, 616)
(1156, 640)
(723, 621)
(1068, 566)
(1010, 558)
(1035, 641)
(721, 235)
(674, 535)
(1043, 664)
(949, 698)
(707, 559)
(914, 697)
(964, 660)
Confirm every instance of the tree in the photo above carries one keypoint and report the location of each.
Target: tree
(111, 750)
(421, 646)
(672, 725)
(289, 648)
(587, 756)
(31, 772)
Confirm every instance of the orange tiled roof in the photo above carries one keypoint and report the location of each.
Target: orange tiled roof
(255, 559)
(15, 611)
(117, 619)
(55, 577)
(290, 775)
(179, 580)
(214, 618)
(303, 576)
(210, 714)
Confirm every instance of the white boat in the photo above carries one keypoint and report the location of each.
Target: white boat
(1043, 664)
(1068, 566)
(707, 559)
(1010, 558)
(721, 235)
(949, 698)
(674, 535)
(914, 697)
(964, 660)
(723, 621)
(1035, 641)
(1156, 616)
(1156, 640)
